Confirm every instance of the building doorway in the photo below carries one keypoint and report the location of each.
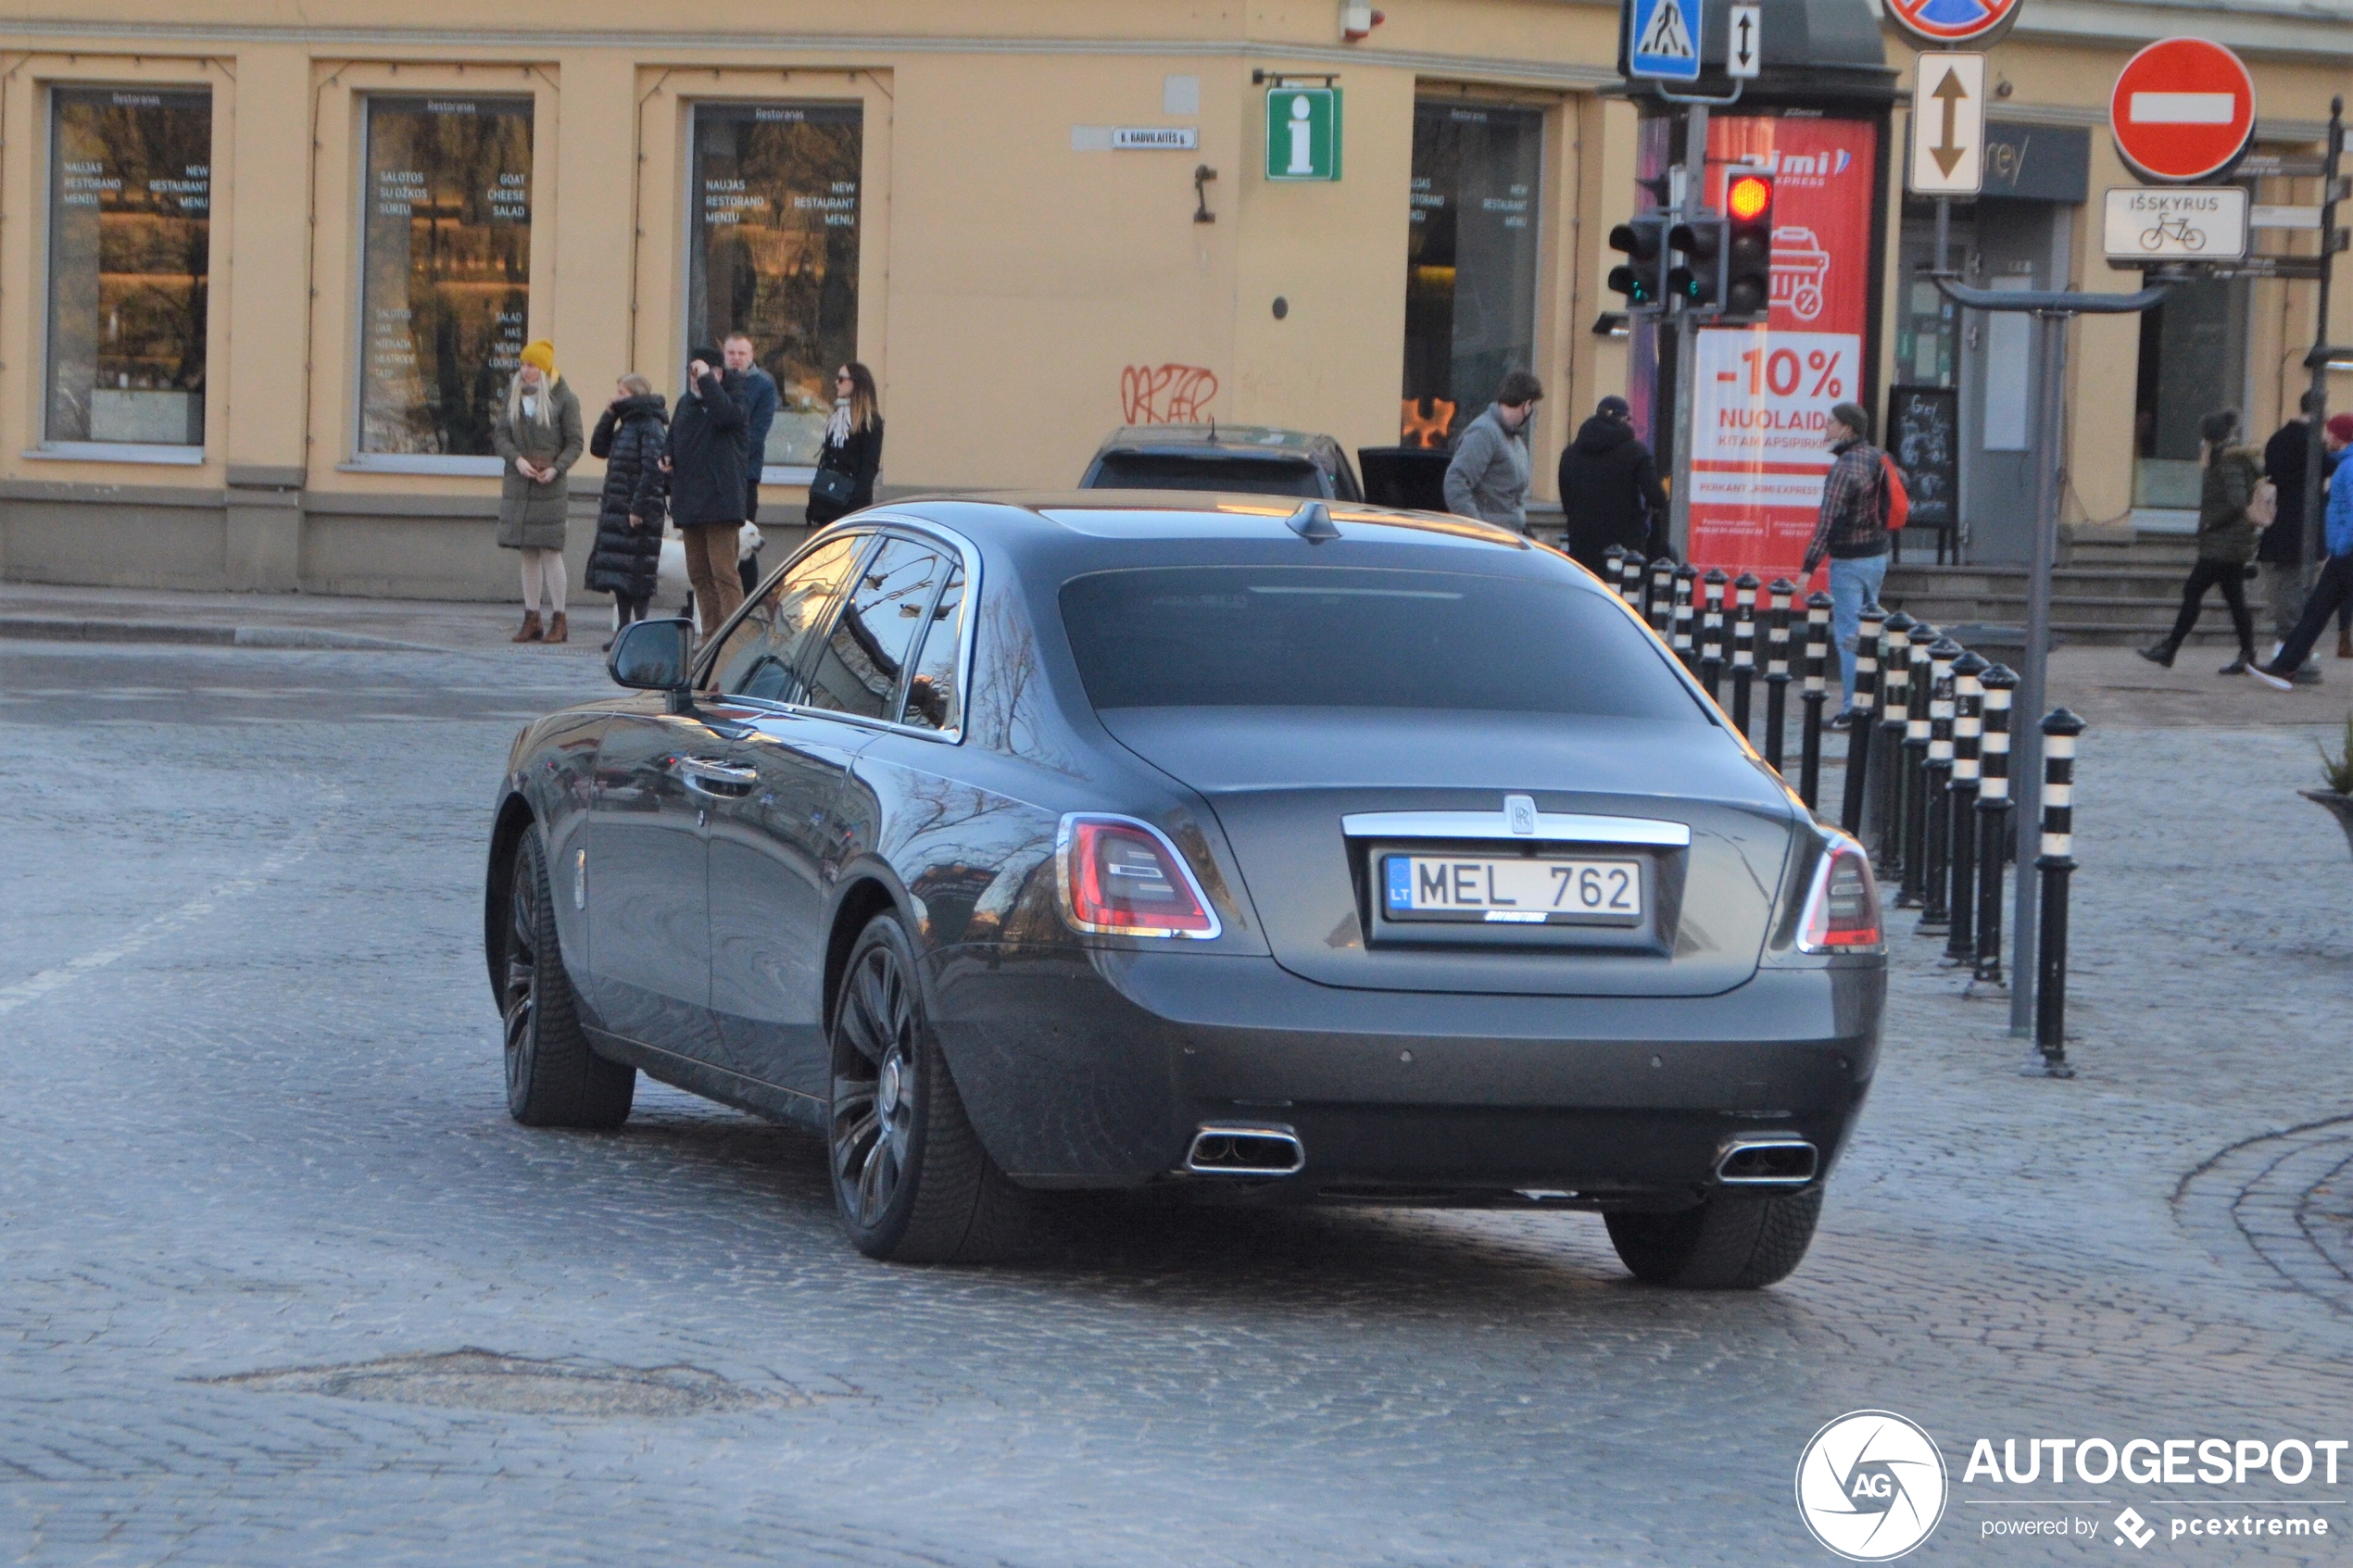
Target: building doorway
(2193, 361)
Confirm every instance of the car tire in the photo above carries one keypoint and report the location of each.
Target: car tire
(910, 1179)
(1732, 1241)
(553, 1079)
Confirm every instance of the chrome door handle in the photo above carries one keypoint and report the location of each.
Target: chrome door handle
(720, 779)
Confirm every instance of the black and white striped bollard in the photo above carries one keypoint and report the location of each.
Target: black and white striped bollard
(1711, 632)
(1614, 568)
(1914, 891)
(1809, 743)
(1777, 598)
(1895, 718)
(1993, 822)
(1659, 603)
(1969, 729)
(1744, 648)
(1937, 785)
(2057, 863)
(1686, 578)
(1862, 726)
(1630, 578)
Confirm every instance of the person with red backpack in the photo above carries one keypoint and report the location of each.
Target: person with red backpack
(1851, 532)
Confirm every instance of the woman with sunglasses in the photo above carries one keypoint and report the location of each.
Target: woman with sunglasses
(852, 454)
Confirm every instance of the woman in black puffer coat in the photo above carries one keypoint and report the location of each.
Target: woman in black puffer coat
(630, 438)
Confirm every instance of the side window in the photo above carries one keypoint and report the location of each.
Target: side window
(933, 701)
(864, 658)
(766, 649)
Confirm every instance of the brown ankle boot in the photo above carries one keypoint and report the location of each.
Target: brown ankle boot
(2344, 644)
(559, 630)
(530, 633)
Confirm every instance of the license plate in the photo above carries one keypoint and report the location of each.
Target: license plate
(1514, 890)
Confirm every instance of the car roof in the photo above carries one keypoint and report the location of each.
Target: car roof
(1053, 528)
(1236, 441)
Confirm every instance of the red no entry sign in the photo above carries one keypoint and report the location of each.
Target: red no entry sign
(2182, 110)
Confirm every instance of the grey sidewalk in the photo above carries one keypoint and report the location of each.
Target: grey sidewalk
(50, 612)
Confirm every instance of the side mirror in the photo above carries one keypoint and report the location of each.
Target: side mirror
(653, 656)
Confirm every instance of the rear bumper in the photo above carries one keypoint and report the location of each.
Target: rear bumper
(1099, 1073)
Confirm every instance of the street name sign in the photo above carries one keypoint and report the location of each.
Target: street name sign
(1744, 41)
(1666, 40)
(2182, 110)
(1949, 126)
(1941, 24)
(1303, 133)
(2205, 224)
(1155, 138)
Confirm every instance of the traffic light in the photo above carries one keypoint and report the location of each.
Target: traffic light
(1644, 241)
(1698, 279)
(1748, 245)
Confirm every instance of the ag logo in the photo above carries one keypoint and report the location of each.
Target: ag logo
(1870, 1486)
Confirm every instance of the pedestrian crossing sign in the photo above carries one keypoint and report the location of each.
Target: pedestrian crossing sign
(1665, 39)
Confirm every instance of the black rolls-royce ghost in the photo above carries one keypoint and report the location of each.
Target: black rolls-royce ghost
(1231, 846)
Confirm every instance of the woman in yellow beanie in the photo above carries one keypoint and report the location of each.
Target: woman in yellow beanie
(538, 435)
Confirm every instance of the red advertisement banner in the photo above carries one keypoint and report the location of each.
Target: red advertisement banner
(1762, 394)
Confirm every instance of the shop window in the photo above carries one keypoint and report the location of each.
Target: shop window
(129, 219)
(773, 251)
(1471, 262)
(2193, 361)
(445, 279)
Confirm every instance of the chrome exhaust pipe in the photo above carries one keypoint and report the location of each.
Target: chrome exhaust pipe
(1767, 1162)
(1236, 1148)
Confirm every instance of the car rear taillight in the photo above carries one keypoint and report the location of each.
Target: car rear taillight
(1841, 909)
(1120, 877)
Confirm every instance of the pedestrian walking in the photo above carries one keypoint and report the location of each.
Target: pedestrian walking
(1610, 491)
(2333, 590)
(1488, 478)
(1850, 532)
(850, 460)
(2279, 557)
(760, 414)
(537, 435)
(706, 458)
(631, 435)
(2226, 541)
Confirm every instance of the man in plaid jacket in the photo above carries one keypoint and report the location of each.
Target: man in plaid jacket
(1852, 531)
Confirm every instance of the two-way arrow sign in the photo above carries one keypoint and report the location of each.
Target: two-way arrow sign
(1949, 126)
(1745, 41)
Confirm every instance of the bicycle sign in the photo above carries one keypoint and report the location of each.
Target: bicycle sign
(2197, 223)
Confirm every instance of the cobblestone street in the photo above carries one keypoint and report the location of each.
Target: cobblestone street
(280, 1282)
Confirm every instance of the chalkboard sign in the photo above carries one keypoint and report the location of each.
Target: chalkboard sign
(1924, 437)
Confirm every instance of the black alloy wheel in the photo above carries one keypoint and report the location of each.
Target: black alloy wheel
(1732, 1241)
(910, 1179)
(553, 1079)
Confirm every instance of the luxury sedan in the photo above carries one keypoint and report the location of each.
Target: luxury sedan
(1234, 848)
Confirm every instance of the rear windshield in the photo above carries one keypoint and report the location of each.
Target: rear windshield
(1235, 636)
(1170, 471)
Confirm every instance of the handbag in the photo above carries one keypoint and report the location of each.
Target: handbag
(833, 487)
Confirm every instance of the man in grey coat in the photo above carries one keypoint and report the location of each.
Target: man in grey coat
(1488, 478)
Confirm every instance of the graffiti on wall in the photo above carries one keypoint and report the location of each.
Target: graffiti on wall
(1165, 395)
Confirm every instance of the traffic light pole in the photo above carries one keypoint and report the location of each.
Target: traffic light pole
(1689, 199)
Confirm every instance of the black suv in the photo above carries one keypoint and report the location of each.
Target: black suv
(1232, 458)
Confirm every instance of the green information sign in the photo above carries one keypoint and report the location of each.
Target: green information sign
(1303, 133)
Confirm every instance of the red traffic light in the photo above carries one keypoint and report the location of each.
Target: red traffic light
(1748, 197)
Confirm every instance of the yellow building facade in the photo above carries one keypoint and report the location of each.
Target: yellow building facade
(263, 275)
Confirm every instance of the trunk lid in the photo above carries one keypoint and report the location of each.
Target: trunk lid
(1281, 779)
